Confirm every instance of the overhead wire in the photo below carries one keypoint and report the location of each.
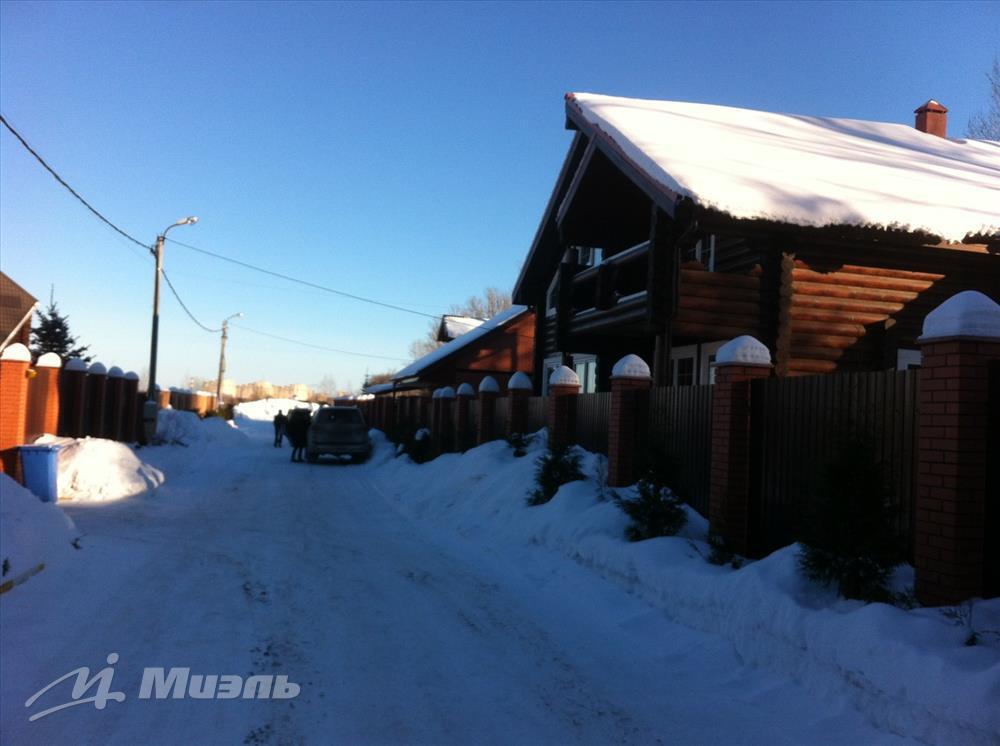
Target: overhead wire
(317, 347)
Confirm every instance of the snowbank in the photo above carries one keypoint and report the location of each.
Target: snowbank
(93, 470)
(187, 428)
(266, 409)
(908, 671)
(31, 532)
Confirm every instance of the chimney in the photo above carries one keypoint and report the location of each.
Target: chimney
(932, 118)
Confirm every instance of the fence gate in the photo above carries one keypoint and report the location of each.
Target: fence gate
(799, 423)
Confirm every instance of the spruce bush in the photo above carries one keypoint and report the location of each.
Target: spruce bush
(847, 537)
(656, 511)
(559, 465)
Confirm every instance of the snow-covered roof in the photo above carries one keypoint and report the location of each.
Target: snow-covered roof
(435, 356)
(455, 326)
(804, 170)
(965, 314)
(378, 388)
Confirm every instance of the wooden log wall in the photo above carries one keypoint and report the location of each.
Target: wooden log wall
(717, 305)
(842, 319)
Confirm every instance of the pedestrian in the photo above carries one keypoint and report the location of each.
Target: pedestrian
(280, 423)
(297, 430)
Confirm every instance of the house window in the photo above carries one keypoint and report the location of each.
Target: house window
(552, 296)
(908, 359)
(585, 367)
(692, 364)
(685, 372)
(588, 256)
(703, 251)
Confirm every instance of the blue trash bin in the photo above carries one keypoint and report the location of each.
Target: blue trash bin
(41, 471)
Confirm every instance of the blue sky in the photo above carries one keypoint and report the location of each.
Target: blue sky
(399, 151)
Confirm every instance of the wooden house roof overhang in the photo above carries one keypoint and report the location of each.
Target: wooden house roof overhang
(602, 194)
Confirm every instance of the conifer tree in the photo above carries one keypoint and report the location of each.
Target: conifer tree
(51, 334)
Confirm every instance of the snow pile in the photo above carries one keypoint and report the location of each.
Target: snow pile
(966, 314)
(907, 671)
(803, 170)
(266, 409)
(187, 428)
(31, 532)
(743, 349)
(631, 366)
(94, 470)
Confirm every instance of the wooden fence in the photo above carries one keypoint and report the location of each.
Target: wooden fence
(593, 413)
(680, 431)
(797, 427)
(538, 412)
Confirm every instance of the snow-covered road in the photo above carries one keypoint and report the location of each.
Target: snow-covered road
(397, 631)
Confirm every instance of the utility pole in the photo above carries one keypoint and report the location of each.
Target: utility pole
(222, 358)
(152, 404)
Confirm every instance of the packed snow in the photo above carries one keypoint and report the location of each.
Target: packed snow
(564, 376)
(452, 327)
(966, 314)
(48, 360)
(16, 352)
(187, 428)
(805, 170)
(428, 604)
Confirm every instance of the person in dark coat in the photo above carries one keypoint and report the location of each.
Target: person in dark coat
(297, 430)
(280, 422)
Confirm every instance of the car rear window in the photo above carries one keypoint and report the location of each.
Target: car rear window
(339, 416)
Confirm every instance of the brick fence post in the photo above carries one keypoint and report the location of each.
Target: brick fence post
(130, 416)
(564, 387)
(489, 389)
(446, 419)
(114, 407)
(73, 398)
(97, 384)
(162, 398)
(43, 398)
(463, 433)
(629, 425)
(519, 389)
(960, 339)
(738, 362)
(14, 362)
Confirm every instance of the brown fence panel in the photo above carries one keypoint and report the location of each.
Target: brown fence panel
(593, 419)
(501, 417)
(538, 408)
(680, 429)
(799, 423)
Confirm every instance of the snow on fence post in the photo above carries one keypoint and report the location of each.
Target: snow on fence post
(519, 389)
(463, 435)
(14, 362)
(131, 408)
(43, 398)
(114, 408)
(73, 398)
(564, 387)
(956, 552)
(446, 420)
(628, 429)
(489, 389)
(97, 390)
(737, 363)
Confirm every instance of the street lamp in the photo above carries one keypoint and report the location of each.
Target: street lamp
(152, 404)
(222, 357)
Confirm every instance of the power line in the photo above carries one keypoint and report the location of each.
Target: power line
(318, 347)
(300, 281)
(72, 191)
(186, 309)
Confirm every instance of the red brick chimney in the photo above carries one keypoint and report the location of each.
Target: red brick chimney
(932, 118)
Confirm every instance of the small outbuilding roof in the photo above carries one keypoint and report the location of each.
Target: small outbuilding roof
(497, 322)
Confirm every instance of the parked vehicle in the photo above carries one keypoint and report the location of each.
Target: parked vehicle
(338, 431)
